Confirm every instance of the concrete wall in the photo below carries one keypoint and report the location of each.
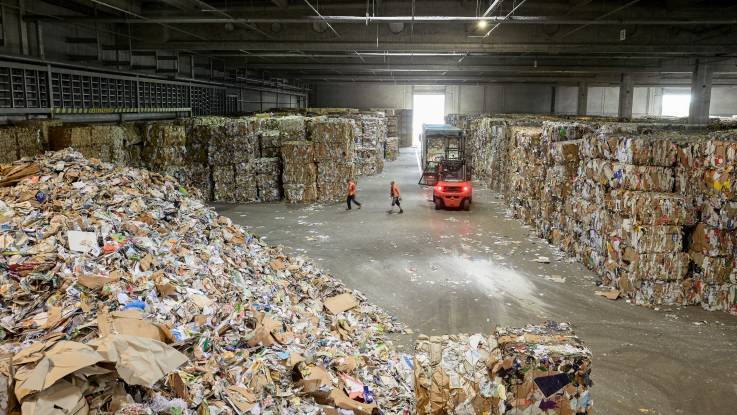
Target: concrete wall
(647, 101)
(350, 95)
(603, 101)
(566, 99)
(723, 101)
(458, 98)
(514, 98)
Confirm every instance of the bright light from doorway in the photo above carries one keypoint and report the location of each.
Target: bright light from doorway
(426, 109)
(676, 105)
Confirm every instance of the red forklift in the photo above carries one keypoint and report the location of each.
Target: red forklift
(444, 166)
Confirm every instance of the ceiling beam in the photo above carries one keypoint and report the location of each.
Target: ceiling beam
(593, 48)
(524, 20)
(492, 7)
(527, 68)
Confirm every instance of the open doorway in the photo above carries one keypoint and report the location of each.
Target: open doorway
(426, 109)
(676, 104)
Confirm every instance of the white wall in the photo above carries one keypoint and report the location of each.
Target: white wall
(603, 101)
(723, 101)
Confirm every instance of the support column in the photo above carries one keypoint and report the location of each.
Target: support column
(625, 96)
(553, 93)
(583, 98)
(700, 94)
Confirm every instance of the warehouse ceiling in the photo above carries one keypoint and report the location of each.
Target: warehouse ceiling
(428, 41)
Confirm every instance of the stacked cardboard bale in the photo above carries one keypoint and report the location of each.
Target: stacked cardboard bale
(292, 128)
(333, 144)
(392, 148)
(487, 146)
(370, 142)
(638, 218)
(105, 142)
(392, 123)
(516, 370)
(19, 142)
(525, 170)
(707, 175)
(165, 149)
(560, 145)
(299, 175)
(43, 124)
(233, 144)
(8, 145)
(197, 137)
(267, 171)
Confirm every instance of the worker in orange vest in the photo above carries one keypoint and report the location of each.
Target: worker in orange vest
(352, 194)
(396, 197)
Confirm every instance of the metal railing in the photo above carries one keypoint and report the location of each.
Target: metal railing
(28, 87)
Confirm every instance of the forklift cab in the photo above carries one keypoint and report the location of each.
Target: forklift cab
(445, 168)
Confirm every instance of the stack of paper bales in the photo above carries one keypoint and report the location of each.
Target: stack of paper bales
(292, 128)
(165, 147)
(333, 144)
(8, 145)
(525, 170)
(706, 174)
(267, 172)
(392, 148)
(530, 370)
(19, 142)
(269, 143)
(370, 142)
(560, 145)
(487, 147)
(44, 125)
(299, 175)
(638, 219)
(392, 123)
(105, 142)
(232, 144)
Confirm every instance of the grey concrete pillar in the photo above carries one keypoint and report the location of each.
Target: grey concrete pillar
(553, 98)
(583, 98)
(626, 94)
(700, 94)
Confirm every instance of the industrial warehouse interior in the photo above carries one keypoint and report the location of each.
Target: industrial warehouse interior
(347, 207)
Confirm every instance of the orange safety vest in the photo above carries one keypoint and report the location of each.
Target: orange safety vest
(351, 189)
(395, 191)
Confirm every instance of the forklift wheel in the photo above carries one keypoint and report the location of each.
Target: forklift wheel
(438, 204)
(466, 204)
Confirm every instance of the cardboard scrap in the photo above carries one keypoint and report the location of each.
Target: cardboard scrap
(62, 359)
(610, 294)
(95, 282)
(268, 332)
(139, 360)
(242, 398)
(63, 398)
(128, 322)
(340, 303)
(81, 241)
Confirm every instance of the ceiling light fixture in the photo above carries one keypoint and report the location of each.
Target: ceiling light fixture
(482, 24)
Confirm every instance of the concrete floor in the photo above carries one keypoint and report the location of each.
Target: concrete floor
(446, 272)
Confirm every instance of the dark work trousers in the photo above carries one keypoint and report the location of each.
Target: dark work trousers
(352, 198)
(395, 202)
